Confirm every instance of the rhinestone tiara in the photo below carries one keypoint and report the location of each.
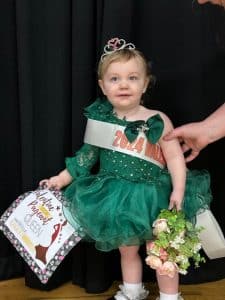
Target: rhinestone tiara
(116, 44)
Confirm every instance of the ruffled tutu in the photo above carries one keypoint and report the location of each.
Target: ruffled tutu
(114, 212)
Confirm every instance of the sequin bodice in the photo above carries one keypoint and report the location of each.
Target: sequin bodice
(128, 167)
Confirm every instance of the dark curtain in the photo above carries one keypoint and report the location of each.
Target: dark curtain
(48, 56)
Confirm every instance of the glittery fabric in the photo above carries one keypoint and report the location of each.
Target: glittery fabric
(118, 205)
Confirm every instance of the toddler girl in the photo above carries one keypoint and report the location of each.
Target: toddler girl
(139, 172)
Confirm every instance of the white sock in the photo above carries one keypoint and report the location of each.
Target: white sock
(129, 289)
(164, 296)
(134, 288)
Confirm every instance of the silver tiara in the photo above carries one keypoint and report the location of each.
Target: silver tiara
(116, 44)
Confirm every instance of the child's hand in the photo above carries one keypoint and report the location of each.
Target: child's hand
(58, 181)
(176, 200)
(53, 182)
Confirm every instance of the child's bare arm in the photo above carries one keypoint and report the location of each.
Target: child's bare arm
(176, 165)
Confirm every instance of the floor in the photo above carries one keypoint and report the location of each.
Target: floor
(15, 289)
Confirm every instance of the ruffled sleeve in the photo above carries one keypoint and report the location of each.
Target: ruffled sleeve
(100, 110)
(83, 161)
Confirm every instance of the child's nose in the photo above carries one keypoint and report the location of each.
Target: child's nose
(123, 83)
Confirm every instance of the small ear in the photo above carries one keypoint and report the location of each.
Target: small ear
(100, 83)
(147, 81)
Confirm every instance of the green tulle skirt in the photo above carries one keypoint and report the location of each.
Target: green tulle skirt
(114, 212)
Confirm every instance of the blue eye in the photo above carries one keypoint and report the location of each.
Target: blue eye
(114, 79)
(133, 78)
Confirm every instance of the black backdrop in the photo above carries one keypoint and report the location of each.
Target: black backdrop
(48, 56)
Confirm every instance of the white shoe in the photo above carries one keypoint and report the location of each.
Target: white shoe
(127, 295)
(179, 298)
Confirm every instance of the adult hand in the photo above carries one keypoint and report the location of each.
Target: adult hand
(193, 137)
(216, 2)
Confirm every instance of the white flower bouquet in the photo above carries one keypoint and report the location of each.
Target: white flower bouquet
(176, 242)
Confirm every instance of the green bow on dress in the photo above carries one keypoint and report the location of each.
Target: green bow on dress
(152, 128)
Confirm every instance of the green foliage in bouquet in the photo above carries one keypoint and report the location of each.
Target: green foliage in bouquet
(176, 241)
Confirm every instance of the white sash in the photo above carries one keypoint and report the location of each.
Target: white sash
(211, 236)
(111, 136)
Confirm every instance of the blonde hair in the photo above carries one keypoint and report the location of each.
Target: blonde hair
(122, 55)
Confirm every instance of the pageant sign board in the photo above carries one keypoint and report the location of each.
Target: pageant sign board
(37, 228)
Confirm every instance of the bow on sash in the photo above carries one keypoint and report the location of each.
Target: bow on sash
(152, 128)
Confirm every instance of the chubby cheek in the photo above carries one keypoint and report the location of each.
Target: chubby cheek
(108, 87)
(104, 87)
(108, 90)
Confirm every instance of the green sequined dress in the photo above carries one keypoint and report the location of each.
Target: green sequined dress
(118, 205)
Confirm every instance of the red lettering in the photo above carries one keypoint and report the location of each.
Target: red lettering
(118, 136)
(124, 141)
(139, 145)
(154, 151)
(151, 150)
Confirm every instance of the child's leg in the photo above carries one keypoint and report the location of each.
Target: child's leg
(168, 287)
(131, 266)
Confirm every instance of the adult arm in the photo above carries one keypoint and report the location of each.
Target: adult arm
(196, 136)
